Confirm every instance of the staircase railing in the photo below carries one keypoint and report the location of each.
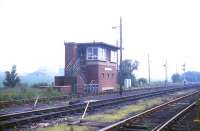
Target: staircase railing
(91, 88)
(70, 64)
(74, 69)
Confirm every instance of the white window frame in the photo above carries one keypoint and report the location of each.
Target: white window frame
(113, 56)
(90, 54)
(101, 53)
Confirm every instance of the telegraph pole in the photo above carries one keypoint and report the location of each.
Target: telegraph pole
(117, 44)
(149, 71)
(184, 81)
(120, 60)
(166, 76)
(121, 90)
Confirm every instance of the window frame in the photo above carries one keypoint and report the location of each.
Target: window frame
(96, 53)
(90, 53)
(113, 56)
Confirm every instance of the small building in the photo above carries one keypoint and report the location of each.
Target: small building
(89, 67)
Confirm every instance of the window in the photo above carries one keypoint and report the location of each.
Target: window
(113, 56)
(96, 53)
(108, 75)
(102, 54)
(112, 75)
(102, 75)
(92, 53)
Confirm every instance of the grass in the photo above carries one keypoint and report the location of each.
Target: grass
(17, 93)
(197, 118)
(124, 111)
(106, 117)
(63, 127)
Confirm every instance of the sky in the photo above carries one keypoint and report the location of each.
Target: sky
(32, 32)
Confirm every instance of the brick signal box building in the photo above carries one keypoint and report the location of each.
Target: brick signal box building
(89, 67)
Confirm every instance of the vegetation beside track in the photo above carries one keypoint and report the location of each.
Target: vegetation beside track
(64, 127)
(197, 118)
(122, 113)
(27, 93)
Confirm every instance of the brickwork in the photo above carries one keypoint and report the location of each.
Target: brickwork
(80, 84)
(59, 80)
(70, 54)
(92, 74)
(107, 77)
(64, 89)
(103, 73)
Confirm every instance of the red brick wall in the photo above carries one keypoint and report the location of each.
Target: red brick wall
(92, 73)
(70, 54)
(59, 80)
(69, 80)
(105, 78)
(80, 84)
(64, 89)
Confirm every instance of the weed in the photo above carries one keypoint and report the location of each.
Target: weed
(63, 127)
(18, 93)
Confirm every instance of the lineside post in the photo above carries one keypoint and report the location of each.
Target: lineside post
(35, 104)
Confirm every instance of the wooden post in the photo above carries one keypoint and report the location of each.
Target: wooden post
(35, 104)
(85, 110)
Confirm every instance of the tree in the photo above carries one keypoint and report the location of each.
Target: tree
(176, 78)
(191, 76)
(128, 66)
(12, 78)
(133, 80)
(142, 81)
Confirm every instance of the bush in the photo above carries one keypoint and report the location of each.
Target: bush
(39, 84)
(51, 92)
(10, 94)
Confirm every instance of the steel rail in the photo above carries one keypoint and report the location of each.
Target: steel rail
(82, 104)
(178, 115)
(119, 124)
(65, 97)
(22, 118)
(43, 99)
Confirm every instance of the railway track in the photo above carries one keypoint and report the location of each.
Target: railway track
(67, 97)
(158, 118)
(17, 119)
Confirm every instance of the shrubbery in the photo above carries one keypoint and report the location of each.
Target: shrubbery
(39, 84)
(50, 92)
(10, 94)
(12, 78)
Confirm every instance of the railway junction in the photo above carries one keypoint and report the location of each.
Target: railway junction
(91, 72)
(135, 110)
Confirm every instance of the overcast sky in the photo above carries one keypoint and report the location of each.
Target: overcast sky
(32, 32)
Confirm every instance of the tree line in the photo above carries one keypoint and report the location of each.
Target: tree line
(12, 78)
(35, 79)
(190, 76)
(128, 67)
